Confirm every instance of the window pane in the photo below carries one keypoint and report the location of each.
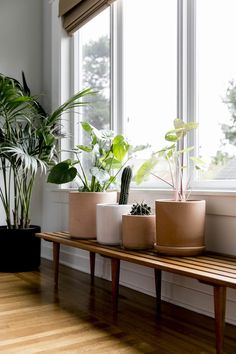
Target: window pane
(216, 87)
(92, 70)
(150, 71)
(94, 50)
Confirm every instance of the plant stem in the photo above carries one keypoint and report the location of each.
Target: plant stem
(163, 180)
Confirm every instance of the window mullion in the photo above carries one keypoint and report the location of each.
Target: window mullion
(180, 59)
(186, 62)
(191, 60)
(117, 90)
(191, 79)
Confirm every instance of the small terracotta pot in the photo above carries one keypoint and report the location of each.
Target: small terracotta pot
(109, 222)
(82, 212)
(138, 231)
(180, 227)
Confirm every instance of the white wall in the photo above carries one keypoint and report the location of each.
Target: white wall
(21, 44)
(21, 40)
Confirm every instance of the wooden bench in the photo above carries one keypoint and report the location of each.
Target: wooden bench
(213, 269)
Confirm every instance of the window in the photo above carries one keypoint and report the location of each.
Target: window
(216, 87)
(150, 70)
(92, 66)
(171, 58)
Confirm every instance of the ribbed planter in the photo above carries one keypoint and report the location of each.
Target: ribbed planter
(180, 227)
(82, 212)
(138, 231)
(19, 249)
(109, 222)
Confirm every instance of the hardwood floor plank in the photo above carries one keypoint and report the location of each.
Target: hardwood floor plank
(78, 318)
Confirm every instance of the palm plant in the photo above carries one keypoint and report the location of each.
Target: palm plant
(28, 144)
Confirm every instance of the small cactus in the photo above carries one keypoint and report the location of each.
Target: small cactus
(140, 209)
(125, 184)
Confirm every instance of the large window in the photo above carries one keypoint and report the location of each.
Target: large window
(155, 62)
(216, 86)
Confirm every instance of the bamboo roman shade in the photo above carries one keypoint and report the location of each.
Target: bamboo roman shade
(76, 13)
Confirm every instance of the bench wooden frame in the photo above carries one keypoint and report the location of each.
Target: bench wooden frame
(213, 269)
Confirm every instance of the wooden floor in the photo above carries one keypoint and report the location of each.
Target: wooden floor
(78, 319)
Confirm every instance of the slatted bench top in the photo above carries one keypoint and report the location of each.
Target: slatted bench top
(210, 267)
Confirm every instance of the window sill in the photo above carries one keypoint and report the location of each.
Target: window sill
(205, 192)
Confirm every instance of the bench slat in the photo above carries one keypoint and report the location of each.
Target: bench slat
(211, 268)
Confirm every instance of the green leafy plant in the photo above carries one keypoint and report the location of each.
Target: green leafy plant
(140, 209)
(125, 185)
(28, 144)
(106, 154)
(178, 158)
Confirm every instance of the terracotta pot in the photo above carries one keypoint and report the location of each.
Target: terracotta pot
(109, 222)
(82, 212)
(138, 231)
(180, 227)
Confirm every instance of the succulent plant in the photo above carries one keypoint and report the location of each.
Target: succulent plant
(125, 185)
(140, 209)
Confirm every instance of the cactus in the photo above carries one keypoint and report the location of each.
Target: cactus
(125, 184)
(140, 209)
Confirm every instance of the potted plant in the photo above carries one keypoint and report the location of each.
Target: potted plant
(179, 222)
(106, 154)
(138, 227)
(28, 143)
(109, 216)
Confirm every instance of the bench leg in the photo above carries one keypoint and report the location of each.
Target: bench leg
(56, 256)
(220, 304)
(115, 276)
(158, 276)
(92, 266)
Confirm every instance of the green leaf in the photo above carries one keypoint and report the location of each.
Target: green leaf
(87, 127)
(85, 148)
(181, 129)
(180, 125)
(112, 163)
(171, 136)
(120, 147)
(199, 163)
(63, 172)
(102, 176)
(107, 134)
(145, 169)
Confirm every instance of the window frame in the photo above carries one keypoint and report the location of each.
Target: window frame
(186, 79)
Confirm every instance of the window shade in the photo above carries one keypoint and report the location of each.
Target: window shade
(76, 13)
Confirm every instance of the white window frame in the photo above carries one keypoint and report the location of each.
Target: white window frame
(64, 54)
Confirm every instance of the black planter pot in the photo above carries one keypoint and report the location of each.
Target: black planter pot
(19, 249)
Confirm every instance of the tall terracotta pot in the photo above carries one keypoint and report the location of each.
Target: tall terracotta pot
(82, 212)
(138, 231)
(180, 227)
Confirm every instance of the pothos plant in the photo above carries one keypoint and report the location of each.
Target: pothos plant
(95, 165)
(179, 158)
(28, 144)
